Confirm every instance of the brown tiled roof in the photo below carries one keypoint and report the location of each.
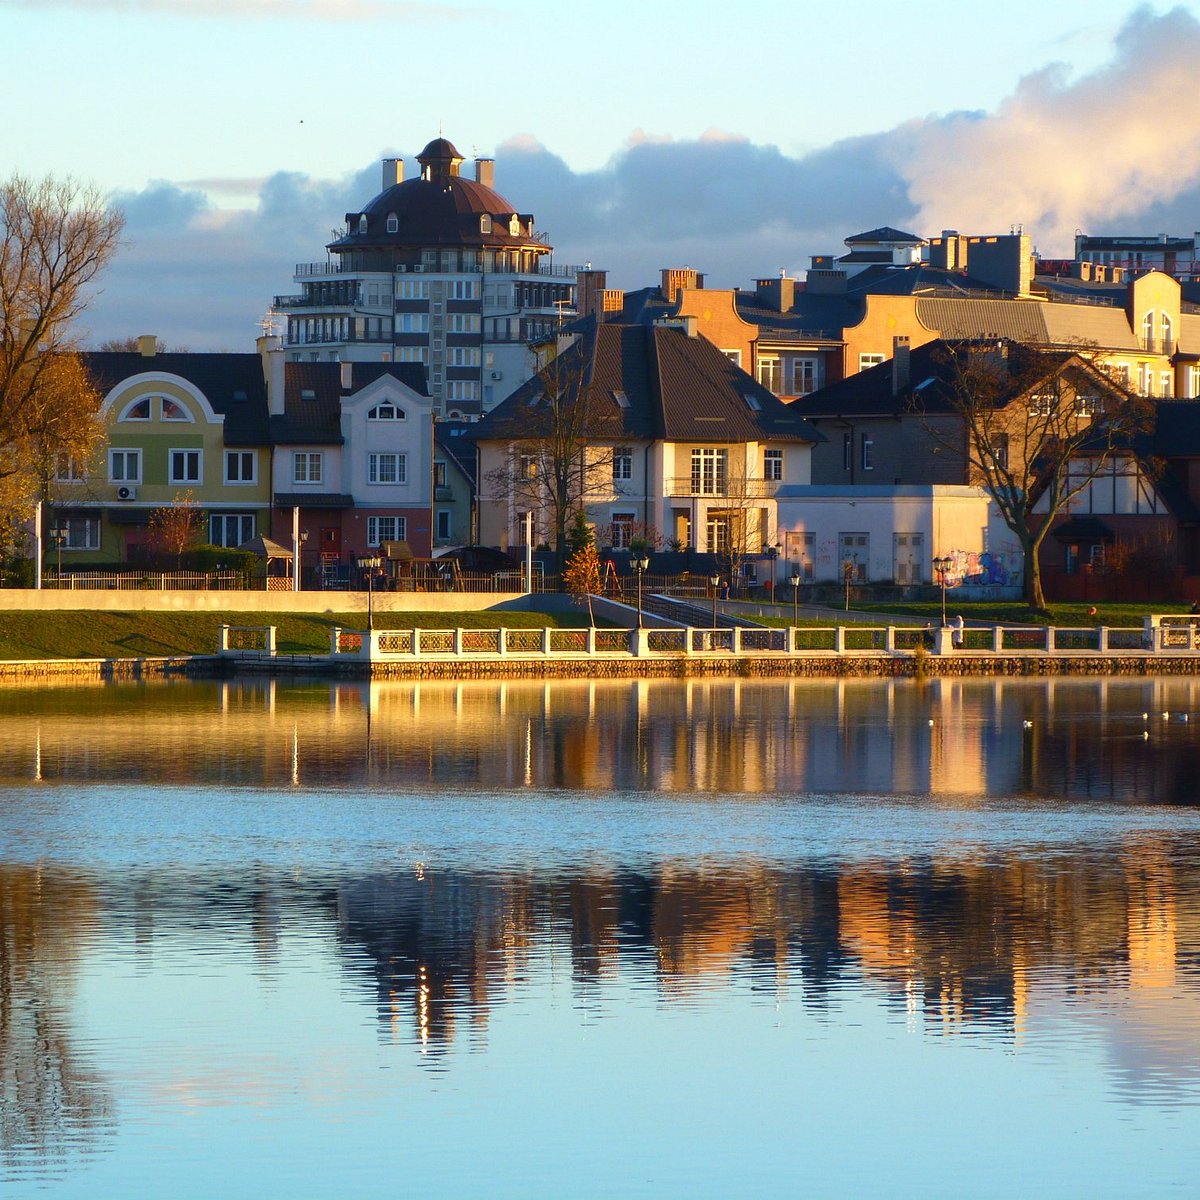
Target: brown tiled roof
(313, 392)
(674, 387)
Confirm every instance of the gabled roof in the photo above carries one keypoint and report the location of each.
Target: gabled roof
(647, 383)
(313, 398)
(232, 383)
(932, 373)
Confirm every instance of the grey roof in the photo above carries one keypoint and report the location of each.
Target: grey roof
(675, 388)
(232, 383)
(885, 233)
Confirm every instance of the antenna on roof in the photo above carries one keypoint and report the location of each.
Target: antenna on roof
(267, 324)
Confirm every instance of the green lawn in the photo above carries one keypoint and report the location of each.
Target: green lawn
(33, 635)
(1006, 613)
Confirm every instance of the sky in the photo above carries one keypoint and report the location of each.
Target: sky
(736, 139)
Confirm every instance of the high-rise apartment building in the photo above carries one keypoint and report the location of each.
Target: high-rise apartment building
(440, 270)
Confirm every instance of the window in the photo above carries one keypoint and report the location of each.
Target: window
(387, 468)
(1148, 331)
(734, 356)
(847, 452)
(439, 474)
(773, 465)
(485, 223)
(83, 533)
(1087, 405)
(804, 376)
(230, 529)
(708, 471)
(185, 465)
(362, 228)
(172, 411)
(306, 466)
(463, 356)
(462, 323)
(412, 322)
(417, 354)
(67, 470)
(1166, 384)
(622, 529)
(386, 529)
(393, 223)
(868, 451)
(1000, 450)
(622, 463)
(462, 389)
(386, 411)
(125, 466)
(1042, 404)
(241, 466)
(412, 289)
(869, 360)
(528, 468)
(1168, 337)
(443, 525)
(138, 410)
(462, 289)
(770, 373)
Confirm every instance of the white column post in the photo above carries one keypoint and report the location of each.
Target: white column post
(1102, 645)
(997, 638)
(37, 542)
(296, 549)
(529, 551)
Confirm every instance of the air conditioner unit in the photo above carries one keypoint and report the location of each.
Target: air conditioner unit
(497, 374)
(125, 492)
(418, 267)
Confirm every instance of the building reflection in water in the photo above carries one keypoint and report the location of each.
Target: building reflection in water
(954, 738)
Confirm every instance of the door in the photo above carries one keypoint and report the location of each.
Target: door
(853, 549)
(907, 554)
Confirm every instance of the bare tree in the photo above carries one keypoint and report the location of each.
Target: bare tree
(561, 462)
(176, 528)
(57, 235)
(1034, 428)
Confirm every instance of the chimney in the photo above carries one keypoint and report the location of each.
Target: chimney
(675, 279)
(147, 345)
(776, 293)
(485, 172)
(270, 350)
(393, 172)
(347, 370)
(901, 364)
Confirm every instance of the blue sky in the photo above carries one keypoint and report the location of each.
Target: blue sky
(736, 139)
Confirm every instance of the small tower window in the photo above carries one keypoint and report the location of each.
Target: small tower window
(393, 223)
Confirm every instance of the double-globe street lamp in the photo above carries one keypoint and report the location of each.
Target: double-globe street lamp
(641, 564)
(370, 564)
(942, 566)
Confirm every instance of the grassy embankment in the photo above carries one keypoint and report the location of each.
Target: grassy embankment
(1068, 616)
(36, 635)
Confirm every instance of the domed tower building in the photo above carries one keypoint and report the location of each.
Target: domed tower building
(440, 270)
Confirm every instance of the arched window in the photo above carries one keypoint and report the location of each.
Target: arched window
(485, 223)
(386, 411)
(1168, 341)
(1148, 331)
(393, 223)
(136, 410)
(173, 411)
(362, 223)
(514, 226)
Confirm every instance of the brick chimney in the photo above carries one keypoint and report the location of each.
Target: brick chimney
(393, 172)
(485, 172)
(147, 345)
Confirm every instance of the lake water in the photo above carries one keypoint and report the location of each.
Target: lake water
(861, 938)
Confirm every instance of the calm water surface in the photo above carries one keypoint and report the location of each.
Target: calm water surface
(615, 939)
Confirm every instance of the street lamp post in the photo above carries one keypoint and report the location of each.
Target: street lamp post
(59, 534)
(641, 564)
(715, 580)
(369, 564)
(941, 566)
(795, 595)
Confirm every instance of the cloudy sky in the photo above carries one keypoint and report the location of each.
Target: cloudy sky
(738, 139)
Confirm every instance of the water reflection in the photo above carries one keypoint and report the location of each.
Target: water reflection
(956, 865)
(1111, 740)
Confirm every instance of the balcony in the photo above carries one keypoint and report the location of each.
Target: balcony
(723, 489)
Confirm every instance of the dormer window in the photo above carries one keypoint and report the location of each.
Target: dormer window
(362, 223)
(485, 223)
(307, 394)
(752, 403)
(386, 411)
(393, 223)
(514, 226)
(621, 399)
